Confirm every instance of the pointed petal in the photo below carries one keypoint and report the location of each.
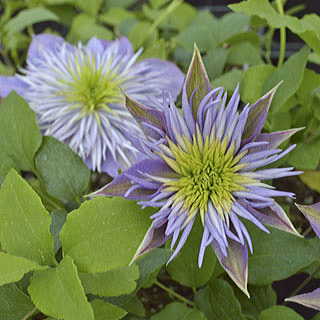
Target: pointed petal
(274, 216)
(310, 300)
(235, 263)
(43, 43)
(258, 115)
(145, 114)
(274, 139)
(154, 238)
(8, 84)
(121, 184)
(197, 81)
(312, 213)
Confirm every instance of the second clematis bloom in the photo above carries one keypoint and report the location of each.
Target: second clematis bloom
(78, 94)
(205, 161)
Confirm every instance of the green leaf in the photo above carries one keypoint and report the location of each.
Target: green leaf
(119, 3)
(139, 33)
(312, 179)
(253, 81)
(228, 80)
(184, 268)
(58, 219)
(178, 311)
(114, 16)
(13, 268)
(106, 311)
(15, 305)
(24, 222)
(111, 283)
(157, 49)
(84, 27)
(130, 303)
(61, 171)
(91, 9)
(20, 137)
(62, 284)
(29, 17)
(305, 155)
(104, 233)
(279, 313)
(217, 301)
(215, 61)
(278, 255)
(291, 73)
(244, 53)
(150, 263)
(261, 298)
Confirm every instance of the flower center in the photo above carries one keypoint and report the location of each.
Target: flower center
(91, 87)
(207, 172)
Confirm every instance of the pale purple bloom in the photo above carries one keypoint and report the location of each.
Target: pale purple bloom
(205, 161)
(78, 92)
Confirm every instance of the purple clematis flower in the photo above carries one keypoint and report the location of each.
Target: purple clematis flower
(78, 92)
(204, 161)
(311, 299)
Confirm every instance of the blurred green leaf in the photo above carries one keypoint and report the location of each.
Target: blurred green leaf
(291, 73)
(253, 81)
(20, 136)
(63, 286)
(58, 218)
(306, 155)
(130, 303)
(29, 17)
(101, 221)
(111, 283)
(139, 33)
(114, 16)
(217, 301)
(311, 179)
(106, 311)
(178, 311)
(184, 268)
(150, 263)
(215, 61)
(278, 255)
(228, 80)
(118, 3)
(244, 53)
(61, 171)
(261, 298)
(157, 49)
(6, 70)
(15, 305)
(85, 27)
(91, 8)
(24, 222)
(279, 313)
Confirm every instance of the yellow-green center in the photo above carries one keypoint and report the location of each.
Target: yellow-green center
(206, 171)
(92, 88)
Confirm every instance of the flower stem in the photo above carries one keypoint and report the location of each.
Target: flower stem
(304, 283)
(29, 314)
(174, 294)
(282, 35)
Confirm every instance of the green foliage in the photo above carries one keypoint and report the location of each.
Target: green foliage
(279, 313)
(62, 284)
(185, 270)
(62, 172)
(104, 310)
(30, 237)
(91, 234)
(178, 311)
(217, 301)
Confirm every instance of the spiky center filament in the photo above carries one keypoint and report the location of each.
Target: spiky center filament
(208, 171)
(91, 87)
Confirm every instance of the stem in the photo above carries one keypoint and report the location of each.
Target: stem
(174, 294)
(304, 283)
(29, 314)
(282, 35)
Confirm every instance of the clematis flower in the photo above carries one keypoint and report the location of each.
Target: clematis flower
(311, 299)
(78, 92)
(205, 161)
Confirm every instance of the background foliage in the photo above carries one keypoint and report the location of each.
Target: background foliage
(66, 258)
